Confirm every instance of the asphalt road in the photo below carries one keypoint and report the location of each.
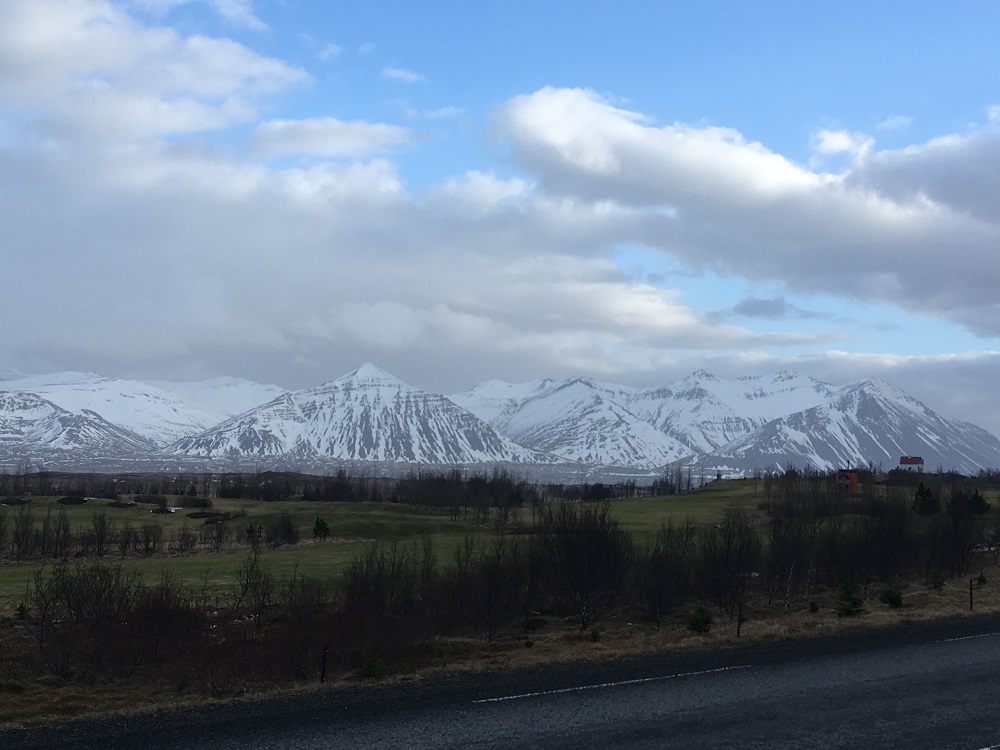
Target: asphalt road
(927, 686)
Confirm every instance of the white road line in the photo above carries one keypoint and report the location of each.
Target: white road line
(969, 638)
(609, 684)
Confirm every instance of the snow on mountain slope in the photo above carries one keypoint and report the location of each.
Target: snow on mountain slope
(706, 412)
(700, 411)
(137, 407)
(737, 425)
(29, 423)
(367, 415)
(494, 400)
(580, 420)
(222, 397)
(868, 422)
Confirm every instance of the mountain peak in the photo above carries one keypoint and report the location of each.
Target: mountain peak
(367, 373)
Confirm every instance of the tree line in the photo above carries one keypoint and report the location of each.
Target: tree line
(573, 561)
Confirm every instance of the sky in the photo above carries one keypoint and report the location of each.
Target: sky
(460, 191)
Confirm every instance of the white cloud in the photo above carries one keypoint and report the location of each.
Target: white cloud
(237, 12)
(441, 113)
(330, 51)
(89, 67)
(895, 122)
(325, 136)
(477, 193)
(885, 229)
(205, 256)
(402, 74)
(830, 142)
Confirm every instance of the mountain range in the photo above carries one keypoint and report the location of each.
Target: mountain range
(592, 428)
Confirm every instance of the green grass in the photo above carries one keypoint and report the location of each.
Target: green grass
(353, 526)
(644, 516)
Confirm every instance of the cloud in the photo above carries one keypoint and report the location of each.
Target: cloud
(330, 51)
(772, 309)
(87, 67)
(915, 227)
(206, 255)
(325, 136)
(237, 12)
(160, 249)
(440, 113)
(895, 122)
(402, 74)
(827, 143)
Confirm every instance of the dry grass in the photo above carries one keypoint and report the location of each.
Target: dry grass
(560, 643)
(48, 700)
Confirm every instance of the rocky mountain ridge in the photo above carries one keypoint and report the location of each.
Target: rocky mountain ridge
(710, 424)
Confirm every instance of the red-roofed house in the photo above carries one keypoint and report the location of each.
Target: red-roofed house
(911, 463)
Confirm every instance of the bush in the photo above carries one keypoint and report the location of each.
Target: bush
(847, 603)
(72, 500)
(321, 529)
(282, 531)
(700, 621)
(892, 597)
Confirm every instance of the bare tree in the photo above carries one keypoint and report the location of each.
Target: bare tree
(101, 533)
(585, 555)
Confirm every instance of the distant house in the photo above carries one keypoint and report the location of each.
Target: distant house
(911, 463)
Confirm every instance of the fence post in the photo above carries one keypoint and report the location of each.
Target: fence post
(322, 668)
(970, 594)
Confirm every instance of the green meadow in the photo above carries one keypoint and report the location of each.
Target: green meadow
(353, 526)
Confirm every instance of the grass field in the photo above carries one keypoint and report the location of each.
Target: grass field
(353, 526)
(553, 637)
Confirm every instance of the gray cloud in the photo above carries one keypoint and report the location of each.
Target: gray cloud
(138, 249)
(325, 136)
(771, 309)
(884, 231)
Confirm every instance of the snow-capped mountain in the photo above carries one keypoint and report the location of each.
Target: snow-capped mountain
(705, 412)
(588, 421)
(708, 423)
(367, 415)
(32, 426)
(582, 421)
(495, 400)
(868, 422)
(221, 397)
(141, 408)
